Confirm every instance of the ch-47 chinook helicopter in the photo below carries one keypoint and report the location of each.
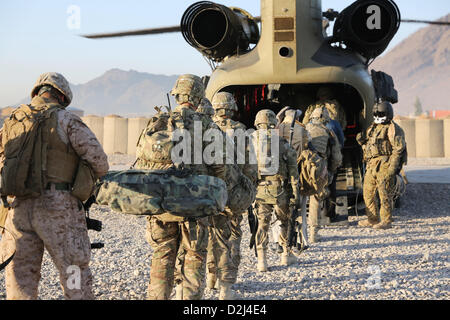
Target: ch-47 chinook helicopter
(284, 62)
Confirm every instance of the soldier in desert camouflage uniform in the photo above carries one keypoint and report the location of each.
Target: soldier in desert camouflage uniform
(277, 190)
(166, 233)
(53, 220)
(335, 110)
(385, 153)
(327, 145)
(225, 232)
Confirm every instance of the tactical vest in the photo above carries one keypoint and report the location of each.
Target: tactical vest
(378, 142)
(155, 145)
(34, 153)
(271, 185)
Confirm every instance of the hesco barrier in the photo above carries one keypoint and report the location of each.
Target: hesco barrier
(96, 124)
(447, 138)
(115, 139)
(135, 128)
(429, 138)
(426, 138)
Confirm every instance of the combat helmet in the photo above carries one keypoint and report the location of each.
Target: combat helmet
(224, 104)
(189, 88)
(320, 115)
(56, 81)
(266, 117)
(205, 107)
(383, 113)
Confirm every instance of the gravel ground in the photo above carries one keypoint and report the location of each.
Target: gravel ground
(411, 261)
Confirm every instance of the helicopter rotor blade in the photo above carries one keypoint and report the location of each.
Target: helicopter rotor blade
(141, 32)
(133, 33)
(442, 23)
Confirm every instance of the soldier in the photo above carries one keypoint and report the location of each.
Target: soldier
(293, 130)
(206, 108)
(327, 145)
(277, 189)
(167, 233)
(52, 218)
(335, 110)
(385, 153)
(225, 233)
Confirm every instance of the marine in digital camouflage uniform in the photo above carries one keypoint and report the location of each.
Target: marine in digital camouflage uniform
(277, 191)
(327, 145)
(225, 232)
(166, 233)
(335, 110)
(54, 220)
(384, 148)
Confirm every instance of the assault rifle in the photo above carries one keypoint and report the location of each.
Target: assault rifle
(92, 224)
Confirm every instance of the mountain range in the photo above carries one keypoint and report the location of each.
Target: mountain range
(420, 67)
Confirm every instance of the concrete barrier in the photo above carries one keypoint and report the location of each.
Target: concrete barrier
(429, 138)
(447, 138)
(96, 124)
(409, 127)
(135, 127)
(115, 135)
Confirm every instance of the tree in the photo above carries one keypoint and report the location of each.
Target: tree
(418, 107)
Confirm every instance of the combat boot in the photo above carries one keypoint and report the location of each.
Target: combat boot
(287, 258)
(211, 280)
(314, 235)
(383, 226)
(368, 223)
(262, 261)
(226, 293)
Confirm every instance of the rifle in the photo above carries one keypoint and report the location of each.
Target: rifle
(253, 224)
(92, 224)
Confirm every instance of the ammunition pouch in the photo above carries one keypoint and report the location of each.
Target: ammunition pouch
(84, 182)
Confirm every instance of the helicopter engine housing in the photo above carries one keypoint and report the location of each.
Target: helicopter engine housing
(218, 31)
(368, 26)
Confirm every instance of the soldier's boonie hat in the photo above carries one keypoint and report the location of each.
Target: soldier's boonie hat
(224, 100)
(57, 81)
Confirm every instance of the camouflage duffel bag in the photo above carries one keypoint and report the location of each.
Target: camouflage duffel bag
(150, 192)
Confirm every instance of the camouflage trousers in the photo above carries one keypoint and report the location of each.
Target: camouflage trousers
(54, 222)
(220, 249)
(377, 181)
(264, 214)
(317, 213)
(188, 241)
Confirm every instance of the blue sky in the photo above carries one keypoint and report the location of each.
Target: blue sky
(35, 38)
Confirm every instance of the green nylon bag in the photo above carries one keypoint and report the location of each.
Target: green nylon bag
(150, 192)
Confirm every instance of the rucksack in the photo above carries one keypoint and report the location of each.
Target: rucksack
(154, 192)
(313, 173)
(23, 142)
